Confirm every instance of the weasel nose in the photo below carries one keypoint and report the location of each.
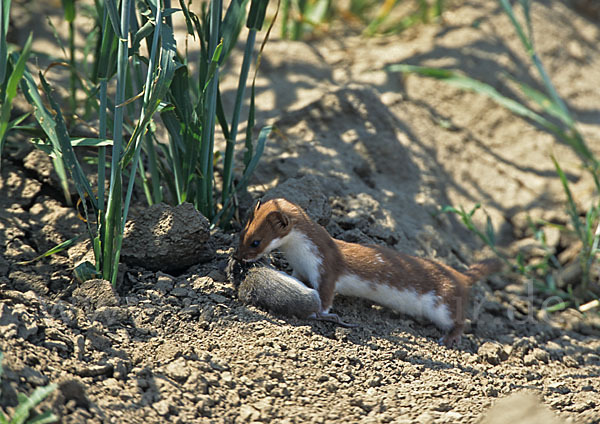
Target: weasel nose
(237, 256)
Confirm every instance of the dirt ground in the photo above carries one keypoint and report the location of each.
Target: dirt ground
(374, 156)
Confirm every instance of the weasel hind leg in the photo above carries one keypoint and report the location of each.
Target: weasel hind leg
(453, 337)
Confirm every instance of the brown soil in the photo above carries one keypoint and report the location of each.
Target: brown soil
(374, 155)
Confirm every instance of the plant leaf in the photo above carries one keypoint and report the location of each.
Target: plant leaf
(188, 19)
(69, 6)
(251, 165)
(91, 142)
(489, 231)
(11, 91)
(543, 101)
(256, 16)
(39, 394)
(4, 21)
(571, 206)
(45, 418)
(56, 249)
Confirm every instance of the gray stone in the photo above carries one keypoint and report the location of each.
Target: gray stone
(16, 322)
(162, 407)
(95, 370)
(541, 355)
(57, 345)
(25, 281)
(33, 377)
(529, 360)
(492, 353)
(164, 283)
(111, 315)
(178, 370)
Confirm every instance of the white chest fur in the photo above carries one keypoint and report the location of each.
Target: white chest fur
(406, 301)
(304, 257)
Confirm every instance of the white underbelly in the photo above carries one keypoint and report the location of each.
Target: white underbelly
(407, 301)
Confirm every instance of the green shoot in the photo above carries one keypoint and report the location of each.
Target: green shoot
(26, 405)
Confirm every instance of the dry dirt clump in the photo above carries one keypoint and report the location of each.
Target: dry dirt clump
(173, 238)
(372, 156)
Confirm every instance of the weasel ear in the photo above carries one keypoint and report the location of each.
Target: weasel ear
(253, 213)
(279, 220)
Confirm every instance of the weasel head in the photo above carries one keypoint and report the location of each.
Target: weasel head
(266, 227)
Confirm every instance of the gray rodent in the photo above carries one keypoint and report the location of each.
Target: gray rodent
(273, 290)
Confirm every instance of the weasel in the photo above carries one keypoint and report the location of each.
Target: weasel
(404, 283)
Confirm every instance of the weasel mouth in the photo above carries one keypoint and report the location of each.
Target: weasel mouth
(254, 259)
(250, 260)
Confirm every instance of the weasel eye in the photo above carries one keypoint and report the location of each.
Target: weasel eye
(255, 243)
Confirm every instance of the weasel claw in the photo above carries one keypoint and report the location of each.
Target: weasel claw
(323, 316)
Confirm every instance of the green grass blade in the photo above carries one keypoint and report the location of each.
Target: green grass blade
(156, 92)
(489, 231)
(212, 67)
(145, 31)
(439, 7)
(256, 15)
(4, 21)
(22, 411)
(466, 83)
(56, 249)
(188, 19)
(232, 25)
(221, 117)
(90, 142)
(99, 239)
(224, 215)
(298, 25)
(253, 162)
(231, 139)
(209, 114)
(157, 87)
(67, 153)
(11, 91)
(45, 418)
(113, 222)
(69, 7)
(113, 13)
(571, 137)
(527, 42)
(105, 64)
(112, 227)
(571, 206)
(54, 126)
(176, 145)
(542, 101)
(558, 307)
(17, 72)
(63, 177)
(248, 154)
